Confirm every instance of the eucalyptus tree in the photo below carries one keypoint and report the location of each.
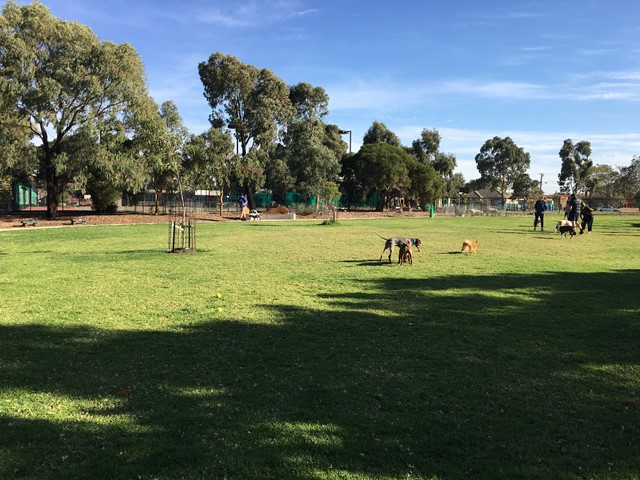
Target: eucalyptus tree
(384, 168)
(174, 137)
(63, 84)
(312, 149)
(629, 179)
(576, 166)
(211, 161)
(500, 163)
(427, 151)
(378, 132)
(454, 185)
(426, 185)
(525, 187)
(311, 162)
(252, 102)
(604, 181)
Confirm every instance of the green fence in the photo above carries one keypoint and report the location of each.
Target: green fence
(23, 195)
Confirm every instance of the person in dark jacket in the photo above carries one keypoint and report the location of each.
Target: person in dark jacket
(575, 207)
(587, 218)
(539, 209)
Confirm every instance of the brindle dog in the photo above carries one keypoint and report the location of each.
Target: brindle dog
(390, 243)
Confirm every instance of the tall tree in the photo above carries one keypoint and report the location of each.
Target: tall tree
(174, 137)
(629, 180)
(525, 187)
(427, 147)
(500, 162)
(427, 151)
(604, 180)
(63, 79)
(383, 168)
(210, 159)
(312, 149)
(454, 185)
(379, 133)
(252, 102)
(311, 162)
(576, 166)
(309, 102)
(426, 184)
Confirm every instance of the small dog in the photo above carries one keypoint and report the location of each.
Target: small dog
(390, 243)
(405, 255)
(567, 229)
(562, 223)
(470, 246)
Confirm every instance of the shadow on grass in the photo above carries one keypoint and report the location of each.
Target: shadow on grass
(370, 263)
(454, 377)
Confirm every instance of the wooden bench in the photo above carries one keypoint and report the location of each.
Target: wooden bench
(30, 221)
(75, 221)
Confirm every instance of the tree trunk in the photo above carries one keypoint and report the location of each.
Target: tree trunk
(157, 195)
(252, 203)
(221, 199)
(53, 184)
(52, 199)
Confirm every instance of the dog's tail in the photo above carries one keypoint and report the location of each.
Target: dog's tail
(384, 238)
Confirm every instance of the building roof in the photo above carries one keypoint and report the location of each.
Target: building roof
(485, 194)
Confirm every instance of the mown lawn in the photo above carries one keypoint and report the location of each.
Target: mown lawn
(288, 351)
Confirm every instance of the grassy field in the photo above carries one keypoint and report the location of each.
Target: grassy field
(288, 351)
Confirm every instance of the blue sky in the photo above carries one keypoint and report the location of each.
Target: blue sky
(538, 71)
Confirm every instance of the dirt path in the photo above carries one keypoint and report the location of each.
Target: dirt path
(14, 221)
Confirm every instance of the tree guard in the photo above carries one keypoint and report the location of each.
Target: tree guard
(182, 235)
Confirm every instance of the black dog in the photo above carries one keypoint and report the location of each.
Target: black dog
(567, 229)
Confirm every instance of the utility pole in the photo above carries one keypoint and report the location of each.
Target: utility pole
(541, 175)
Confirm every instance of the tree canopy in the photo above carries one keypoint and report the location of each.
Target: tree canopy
(384, 168)
(379, 133)
(66, 89)
(576, 166)
(427, 151)
(253, 103)
(500, 162)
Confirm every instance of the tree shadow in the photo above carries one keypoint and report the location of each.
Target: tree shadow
(455, 377)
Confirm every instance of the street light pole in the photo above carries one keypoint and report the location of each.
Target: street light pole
(344, 132)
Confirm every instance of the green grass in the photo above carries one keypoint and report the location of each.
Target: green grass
(288, 351)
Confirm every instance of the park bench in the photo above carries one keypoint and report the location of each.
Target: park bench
(30, 221)
(77, 220)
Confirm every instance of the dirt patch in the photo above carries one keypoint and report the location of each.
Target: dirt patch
(65, 219)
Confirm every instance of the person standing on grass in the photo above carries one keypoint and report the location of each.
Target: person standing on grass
(575, 207)
(244, 207)
(539, 209)
(587, 218)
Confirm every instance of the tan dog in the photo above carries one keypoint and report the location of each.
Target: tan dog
(470, 246)
(405, 255)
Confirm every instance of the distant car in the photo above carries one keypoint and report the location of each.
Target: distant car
(607, 208)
